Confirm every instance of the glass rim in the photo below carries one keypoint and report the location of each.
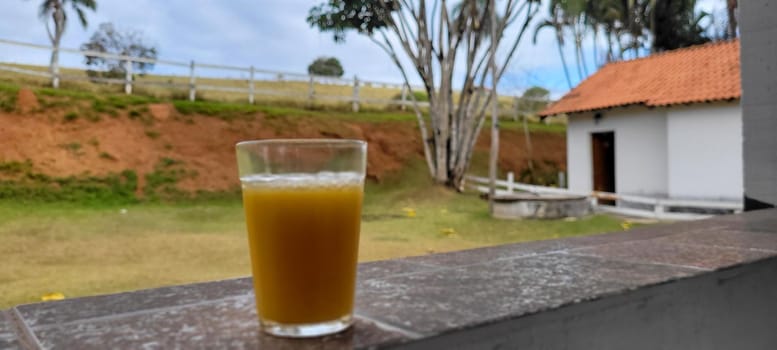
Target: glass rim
(304, 142)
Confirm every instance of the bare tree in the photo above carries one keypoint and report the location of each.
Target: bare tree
(436, 40)
(108, 39)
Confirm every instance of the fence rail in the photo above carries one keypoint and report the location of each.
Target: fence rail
(662, 208)
(249, 90)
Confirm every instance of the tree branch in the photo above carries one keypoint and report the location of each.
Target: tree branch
(389, 49)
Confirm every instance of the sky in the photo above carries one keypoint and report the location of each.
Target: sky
(267, 34)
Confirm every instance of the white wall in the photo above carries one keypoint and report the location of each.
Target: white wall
(705, 151)
(640, 150)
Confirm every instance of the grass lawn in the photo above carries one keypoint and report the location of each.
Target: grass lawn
(291, 91)
(82, 250)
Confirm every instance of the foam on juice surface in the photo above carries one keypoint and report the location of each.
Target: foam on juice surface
(326, 179)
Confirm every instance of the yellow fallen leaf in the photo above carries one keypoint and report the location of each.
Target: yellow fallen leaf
(448, 231)
(52, 296)
(626, 225)
(409, 212)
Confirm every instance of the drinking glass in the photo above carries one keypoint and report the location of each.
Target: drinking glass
(302, 201)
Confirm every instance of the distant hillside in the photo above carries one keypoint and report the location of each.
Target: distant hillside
(149, 147)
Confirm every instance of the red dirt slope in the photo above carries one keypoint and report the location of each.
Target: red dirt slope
(205, 144)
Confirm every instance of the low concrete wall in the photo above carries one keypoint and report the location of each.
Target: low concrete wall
(529, 206)
(729, 309)
(709, 284)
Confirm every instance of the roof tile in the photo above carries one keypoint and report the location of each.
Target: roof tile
(695, 74)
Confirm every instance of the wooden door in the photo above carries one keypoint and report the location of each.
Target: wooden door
(603, 154)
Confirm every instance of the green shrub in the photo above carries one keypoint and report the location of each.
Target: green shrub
(15, 167)
(93, 117)
(71, 116)
(161, 183)
(110, 189)
(544, 173)
(84, 95)
(106, 155)
(72, 146)
(8, 95)
(222, 110)
(420, 96)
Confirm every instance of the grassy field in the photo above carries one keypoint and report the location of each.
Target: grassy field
(269, 89)
(84, 250)
(153, 85)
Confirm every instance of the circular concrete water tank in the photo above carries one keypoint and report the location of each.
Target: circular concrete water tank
(546, 206)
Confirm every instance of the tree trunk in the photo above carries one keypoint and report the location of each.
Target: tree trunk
(563, 60)
(441, 131)
(731, 6)
(610, 56)
(494, 154)
(58, 15)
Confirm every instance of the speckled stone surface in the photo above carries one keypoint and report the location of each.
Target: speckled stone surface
(438, 301)
(228, 323)
(667, 252)
(8, 337)
(386, 268)
(108, 305)
(412, 299)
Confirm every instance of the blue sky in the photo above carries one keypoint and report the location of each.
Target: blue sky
(268, 34)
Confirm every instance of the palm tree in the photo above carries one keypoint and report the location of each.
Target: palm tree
(556, 22)
(675, 24)
(55, 9)
(731, 9)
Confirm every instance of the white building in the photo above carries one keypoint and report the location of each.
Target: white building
(665, 126)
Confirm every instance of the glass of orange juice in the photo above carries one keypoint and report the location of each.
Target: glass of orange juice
(302, 201)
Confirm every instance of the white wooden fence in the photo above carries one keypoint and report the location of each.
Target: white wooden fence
(662, 208)
(249, 90)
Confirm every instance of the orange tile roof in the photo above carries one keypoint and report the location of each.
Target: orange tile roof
(700, 73)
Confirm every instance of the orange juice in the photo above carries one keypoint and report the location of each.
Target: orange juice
(304, 236)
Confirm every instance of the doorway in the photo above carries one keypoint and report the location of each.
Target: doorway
(603, 154)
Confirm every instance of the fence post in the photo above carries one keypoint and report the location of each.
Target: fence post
(355, 94)
(658, 208)
(510, 182)
(404, 96)
(311, 91)
(251, 86)
(562, 179)
(55, 68)
(192, 81)
(128, 77)
(517, 109)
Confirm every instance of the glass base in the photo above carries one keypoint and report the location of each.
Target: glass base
(308, 329)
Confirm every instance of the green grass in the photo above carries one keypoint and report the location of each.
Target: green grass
(532, 126)
(20, 183)
(97, 247)
(70, 116)
(91, 236)
(8, 94)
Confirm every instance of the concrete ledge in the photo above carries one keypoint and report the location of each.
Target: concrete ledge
(708, 284)
(546, 206)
